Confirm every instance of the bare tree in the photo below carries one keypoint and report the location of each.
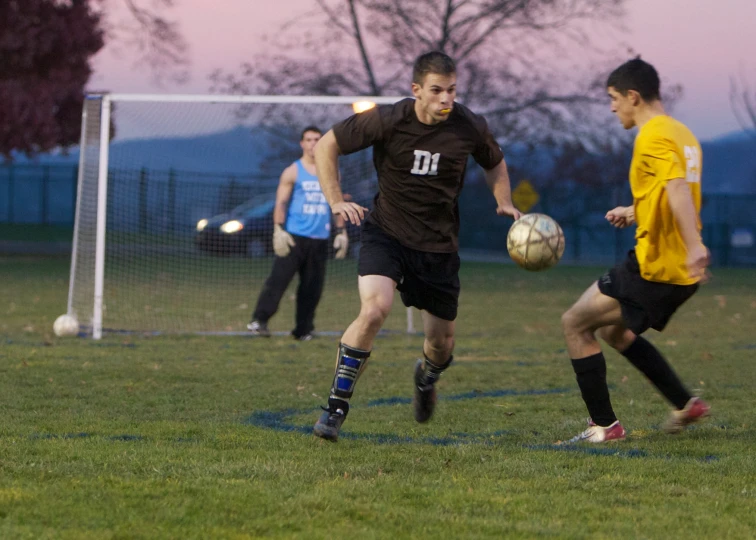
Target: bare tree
(145, 26)
(523, 63)
(743, 102)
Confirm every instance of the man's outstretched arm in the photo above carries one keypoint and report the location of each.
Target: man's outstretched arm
(498, 182)
(326, 163)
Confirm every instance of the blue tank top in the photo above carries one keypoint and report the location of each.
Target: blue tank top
(309, 214)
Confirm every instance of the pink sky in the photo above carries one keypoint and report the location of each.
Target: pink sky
(697, 43)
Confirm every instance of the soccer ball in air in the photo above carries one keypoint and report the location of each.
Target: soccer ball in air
(535, 242)
(66, 325)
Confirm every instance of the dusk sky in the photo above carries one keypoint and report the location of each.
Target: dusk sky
(697, 43)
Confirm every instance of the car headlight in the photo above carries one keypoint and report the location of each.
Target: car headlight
(201, 224)
(230, 227)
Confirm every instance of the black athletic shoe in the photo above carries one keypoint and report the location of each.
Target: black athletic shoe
(425, 396)
(328, 425)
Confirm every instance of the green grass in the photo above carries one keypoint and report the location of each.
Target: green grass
(35, 232)
(206, 437)
(189, 291)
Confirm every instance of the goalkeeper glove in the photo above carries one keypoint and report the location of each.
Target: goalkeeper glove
(340, 243)
(282, 241)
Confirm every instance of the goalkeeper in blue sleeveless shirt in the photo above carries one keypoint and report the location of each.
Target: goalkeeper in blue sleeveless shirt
(301, 229)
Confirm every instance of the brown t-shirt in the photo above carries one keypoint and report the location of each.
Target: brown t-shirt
(420, 168)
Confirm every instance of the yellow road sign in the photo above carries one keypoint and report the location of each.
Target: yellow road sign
(524, 196)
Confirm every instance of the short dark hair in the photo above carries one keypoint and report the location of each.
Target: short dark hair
(636, 75)
(432, 62)
(310, 128)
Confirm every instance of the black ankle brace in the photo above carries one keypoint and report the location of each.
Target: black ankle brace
(432, 372)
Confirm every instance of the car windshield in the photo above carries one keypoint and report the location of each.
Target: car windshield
(254, 209)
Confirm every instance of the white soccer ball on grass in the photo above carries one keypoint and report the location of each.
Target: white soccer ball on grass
(535, 242)
(66, 325)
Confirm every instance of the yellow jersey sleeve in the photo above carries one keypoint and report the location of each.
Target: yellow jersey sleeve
(660, 158)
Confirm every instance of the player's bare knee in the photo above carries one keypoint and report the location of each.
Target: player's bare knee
(569, 322)
(441, 337)
(440, 346)
(374, 314)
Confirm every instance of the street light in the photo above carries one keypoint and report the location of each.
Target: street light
(358, 107)
(362, 106)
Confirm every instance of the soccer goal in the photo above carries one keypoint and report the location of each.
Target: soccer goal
(174, 212)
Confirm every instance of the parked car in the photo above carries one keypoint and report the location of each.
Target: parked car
(248, 230)
(245, 230)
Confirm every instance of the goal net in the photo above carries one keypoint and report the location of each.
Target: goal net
(174, 214)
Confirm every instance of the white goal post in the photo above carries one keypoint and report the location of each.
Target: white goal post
(174, 212)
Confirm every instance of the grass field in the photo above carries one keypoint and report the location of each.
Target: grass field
(34, 232)
(209, 437)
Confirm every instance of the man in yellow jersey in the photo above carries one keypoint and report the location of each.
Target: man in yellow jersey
(659, 275)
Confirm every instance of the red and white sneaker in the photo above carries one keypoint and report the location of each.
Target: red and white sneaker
(694, 410)
(599, 434)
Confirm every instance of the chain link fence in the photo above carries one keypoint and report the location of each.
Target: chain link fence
(42, 194)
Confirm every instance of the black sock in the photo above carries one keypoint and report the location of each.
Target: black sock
(590, 373)
(649, 361)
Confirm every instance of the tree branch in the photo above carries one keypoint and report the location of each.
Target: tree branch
(159, 40)
(363, 52)
(333, 17)
(743, 104)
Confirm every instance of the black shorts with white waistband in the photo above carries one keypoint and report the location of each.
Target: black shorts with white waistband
(645, 304)
(427, 281)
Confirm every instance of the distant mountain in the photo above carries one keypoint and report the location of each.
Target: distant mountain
(236, 151)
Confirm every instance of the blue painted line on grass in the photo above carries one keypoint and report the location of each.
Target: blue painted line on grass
(451, 439)
(126, 438)
(615, 451)
(84, 435)
(474, 394)
(505, 392)
(591, 450)
(389, 401)
(280, 420)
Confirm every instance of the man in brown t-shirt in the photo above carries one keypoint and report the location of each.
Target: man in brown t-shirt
(410, 239)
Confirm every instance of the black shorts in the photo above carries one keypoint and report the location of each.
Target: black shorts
(428, 281)
(645, 304)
